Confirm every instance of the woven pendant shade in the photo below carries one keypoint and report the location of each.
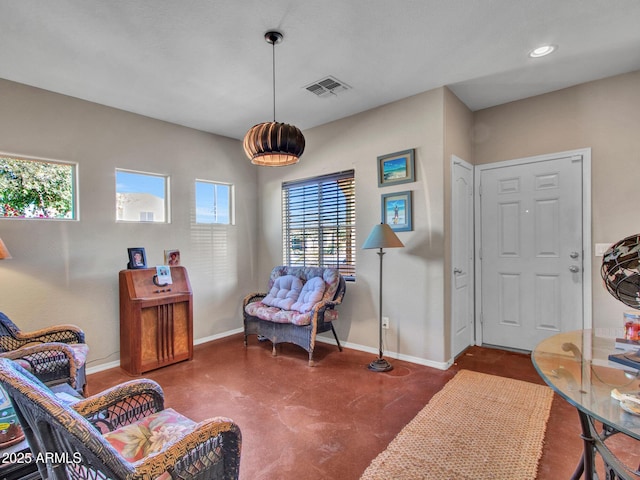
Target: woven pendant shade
(274, 144)
(621, 270)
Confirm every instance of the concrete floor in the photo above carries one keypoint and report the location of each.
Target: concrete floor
(331, 420)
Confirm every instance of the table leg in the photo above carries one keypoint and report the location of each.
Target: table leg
(586, 464)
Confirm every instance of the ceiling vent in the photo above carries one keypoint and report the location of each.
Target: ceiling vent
(327, 86)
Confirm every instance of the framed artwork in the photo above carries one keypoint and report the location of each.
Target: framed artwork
(172, 257)
(137, 258)
(396, 168)
(396, 211)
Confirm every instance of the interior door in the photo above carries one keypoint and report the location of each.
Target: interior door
(531, 251)
(462, 256)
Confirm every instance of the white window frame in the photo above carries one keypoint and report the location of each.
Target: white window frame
(167, 191)
(75, 206)
(231, 200)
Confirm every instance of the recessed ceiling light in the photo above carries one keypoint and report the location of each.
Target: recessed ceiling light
(542, 51)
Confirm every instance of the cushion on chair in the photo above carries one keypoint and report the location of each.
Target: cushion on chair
(140, 439)
(284, 292)
(260, 310)
(311, 293)
(80, 352)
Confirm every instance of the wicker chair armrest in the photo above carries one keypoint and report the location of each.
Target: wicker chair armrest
(57, 347)
(196, 449)
(323, 305)
(57, 333)
(253, 297)
(122, 404)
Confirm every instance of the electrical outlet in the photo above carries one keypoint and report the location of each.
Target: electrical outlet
(385, 322)
(601, 248)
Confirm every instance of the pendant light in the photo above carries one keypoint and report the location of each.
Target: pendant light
(273, 144)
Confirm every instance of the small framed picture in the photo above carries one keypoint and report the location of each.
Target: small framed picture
(396, 211)
(137, 258)
(172, 257)
(396, 168)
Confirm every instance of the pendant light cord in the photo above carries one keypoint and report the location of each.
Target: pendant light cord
(273, 56)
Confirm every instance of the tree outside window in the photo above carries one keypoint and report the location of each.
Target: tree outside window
(35, 188)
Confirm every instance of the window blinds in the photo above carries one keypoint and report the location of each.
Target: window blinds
(319, 222)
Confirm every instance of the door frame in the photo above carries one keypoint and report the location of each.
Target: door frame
(472, 279)
(585, 153)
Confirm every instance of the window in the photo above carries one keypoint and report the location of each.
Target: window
(214, 202)
(319, 222)
(141, 197)
(37, 188)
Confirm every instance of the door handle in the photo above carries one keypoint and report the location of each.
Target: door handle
(574, 255)
(457, 271)
(574, 269)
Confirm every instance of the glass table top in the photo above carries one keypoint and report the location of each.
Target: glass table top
(575, 365)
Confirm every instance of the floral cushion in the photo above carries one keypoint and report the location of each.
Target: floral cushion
(150, 435)
(284, 292)
(292, 316)
(317, 285)
(262, 311)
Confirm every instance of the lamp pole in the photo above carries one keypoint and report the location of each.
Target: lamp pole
(380, 364)
(381, 236)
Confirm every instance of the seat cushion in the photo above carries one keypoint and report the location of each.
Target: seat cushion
(149, 435)
(284, 292)
(311, 293)
(262, 311)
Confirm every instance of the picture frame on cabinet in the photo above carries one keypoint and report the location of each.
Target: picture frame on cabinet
(137, 258)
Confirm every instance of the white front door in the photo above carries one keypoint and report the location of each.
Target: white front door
(462, 256)
(531, 251)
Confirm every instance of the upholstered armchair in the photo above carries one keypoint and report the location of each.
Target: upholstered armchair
(54, 354)
(122, 433)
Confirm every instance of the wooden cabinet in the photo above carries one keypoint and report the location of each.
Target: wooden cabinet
(156, 322)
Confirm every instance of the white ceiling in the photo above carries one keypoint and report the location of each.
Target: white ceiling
(205, 64)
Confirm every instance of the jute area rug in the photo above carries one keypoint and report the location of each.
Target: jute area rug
(477, 427)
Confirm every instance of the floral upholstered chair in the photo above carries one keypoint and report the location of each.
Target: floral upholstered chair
(54, 354)
(122, 433)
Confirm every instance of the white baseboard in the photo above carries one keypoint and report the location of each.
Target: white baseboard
(103, 366)
(354, 346)
(398, 356)
(218, 336)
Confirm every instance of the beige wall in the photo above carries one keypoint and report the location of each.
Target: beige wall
(413, 276)
(603, 115)
(67, 271)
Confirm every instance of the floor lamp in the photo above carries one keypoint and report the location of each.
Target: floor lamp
(382, 236)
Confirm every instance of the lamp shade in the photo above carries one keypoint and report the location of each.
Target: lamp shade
(621, 270)
(274, 144)
(4, 251)
(382, 236)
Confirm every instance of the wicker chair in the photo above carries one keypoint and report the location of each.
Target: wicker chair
(122, 433)
(280, 325)
(55, 354)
